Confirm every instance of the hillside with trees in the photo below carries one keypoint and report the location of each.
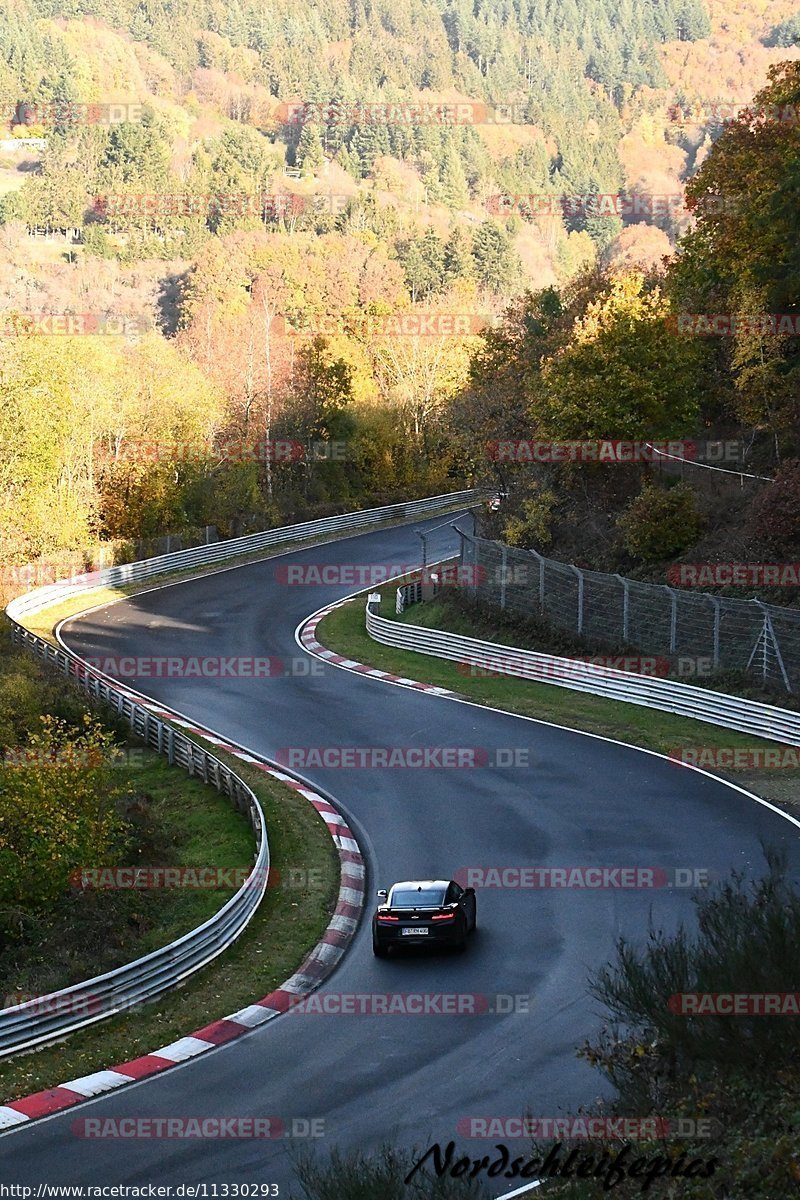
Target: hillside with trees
(624, 355)
(245, 265)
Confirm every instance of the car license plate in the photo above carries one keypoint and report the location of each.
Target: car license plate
(412, 930)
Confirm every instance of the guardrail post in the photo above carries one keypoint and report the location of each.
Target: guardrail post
(626, 605)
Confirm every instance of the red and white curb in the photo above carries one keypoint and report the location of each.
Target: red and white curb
(318, 964)
(307, 636)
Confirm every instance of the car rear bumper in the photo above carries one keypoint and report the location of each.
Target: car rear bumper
(436, 935)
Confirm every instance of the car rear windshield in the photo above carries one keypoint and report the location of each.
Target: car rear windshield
(427, 898)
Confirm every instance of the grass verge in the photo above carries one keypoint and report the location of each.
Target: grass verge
(174, 821)
(288, 923)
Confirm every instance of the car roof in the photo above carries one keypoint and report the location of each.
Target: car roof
(425, 884)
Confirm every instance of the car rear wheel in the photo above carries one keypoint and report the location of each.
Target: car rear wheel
(378, 950)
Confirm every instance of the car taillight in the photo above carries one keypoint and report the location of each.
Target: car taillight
(444, 916)
(386, 917)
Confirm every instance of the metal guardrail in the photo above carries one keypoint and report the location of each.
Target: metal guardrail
(716, 708)
(411, 593)
(407, 593)
(199, 556)
(48, 1018)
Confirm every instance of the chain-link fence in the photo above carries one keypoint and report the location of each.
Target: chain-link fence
(704, 634)
(168, 543)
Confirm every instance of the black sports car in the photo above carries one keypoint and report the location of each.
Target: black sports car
(423, 912)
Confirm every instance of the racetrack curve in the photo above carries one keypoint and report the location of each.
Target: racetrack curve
(579, 801)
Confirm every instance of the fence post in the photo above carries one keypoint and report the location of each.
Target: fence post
(626, 601)
(715, 600)
(763, 641)
(673, 619)
(473, 581)
(538, 556)
(579, 573)
(503, 572)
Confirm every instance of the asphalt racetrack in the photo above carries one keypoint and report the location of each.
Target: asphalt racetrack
(538, 796)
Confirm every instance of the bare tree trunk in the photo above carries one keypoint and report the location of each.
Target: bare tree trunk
(248, 380)
(269, 313)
